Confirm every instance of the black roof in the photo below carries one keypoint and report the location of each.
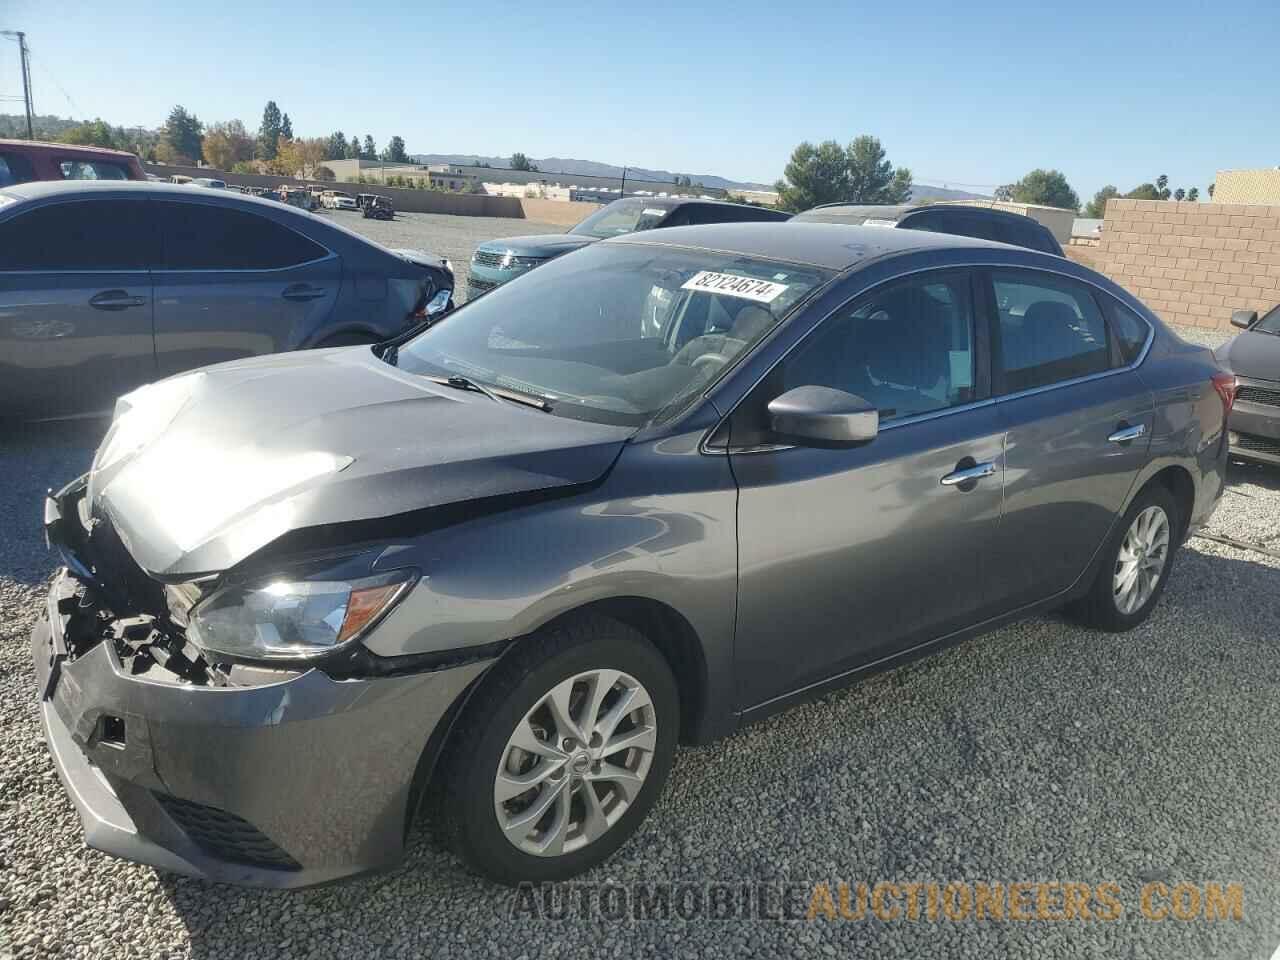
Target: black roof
(832, 245)
(860, 212)
(670, 203)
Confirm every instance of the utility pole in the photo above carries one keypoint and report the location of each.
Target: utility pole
(623, 191)
(26, 75)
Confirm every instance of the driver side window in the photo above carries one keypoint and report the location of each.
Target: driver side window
(907, 348)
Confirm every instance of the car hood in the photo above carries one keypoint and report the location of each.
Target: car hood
(540, 245)
(1254, 355)
(200, 471)
(420, 257)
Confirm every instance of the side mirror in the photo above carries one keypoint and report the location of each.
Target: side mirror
(823, 417)
(1244, 318)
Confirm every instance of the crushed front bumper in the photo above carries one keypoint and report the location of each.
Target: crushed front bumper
(286, 784)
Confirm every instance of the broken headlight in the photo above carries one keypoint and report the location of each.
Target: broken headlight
(293, 619)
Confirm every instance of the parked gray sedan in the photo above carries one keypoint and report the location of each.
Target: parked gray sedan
(661, 487)
(107, 286)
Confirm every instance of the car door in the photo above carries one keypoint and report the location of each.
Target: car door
(1078, 418)
(234, 283)
(847, 556)
(75, 305)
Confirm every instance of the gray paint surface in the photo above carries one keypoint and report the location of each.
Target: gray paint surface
(792, 568)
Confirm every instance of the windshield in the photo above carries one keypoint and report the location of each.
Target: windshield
(621, 216)
(1270, 323)
(618, 333)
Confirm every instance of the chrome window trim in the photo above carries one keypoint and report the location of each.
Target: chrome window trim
(703, 446)
(305, 263)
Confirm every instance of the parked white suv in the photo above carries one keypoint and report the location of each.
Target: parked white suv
(333, 200)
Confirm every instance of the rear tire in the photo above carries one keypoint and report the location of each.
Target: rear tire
(568, 692)
(1135, 566)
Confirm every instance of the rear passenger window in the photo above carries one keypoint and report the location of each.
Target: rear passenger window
(1131, 330)
(92, 170)
(15, 168)
(200, 236)
(79, 235)
(1050, 331)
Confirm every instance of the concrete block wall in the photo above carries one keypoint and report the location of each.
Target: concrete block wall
(1193, 263)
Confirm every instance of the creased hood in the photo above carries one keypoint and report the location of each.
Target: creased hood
(199, 471)
(1251, 354)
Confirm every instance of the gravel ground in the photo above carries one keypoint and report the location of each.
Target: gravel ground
(452, 237)
(1040, 752)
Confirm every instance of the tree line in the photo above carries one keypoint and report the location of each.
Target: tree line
(861, 173)
(184, 140)
(858, 172)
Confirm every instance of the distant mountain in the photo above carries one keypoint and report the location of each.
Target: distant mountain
(46, 126)
(588, 168)
(593, 168)
(921, 191)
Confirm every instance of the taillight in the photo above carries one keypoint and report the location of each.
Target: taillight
(1225, 384)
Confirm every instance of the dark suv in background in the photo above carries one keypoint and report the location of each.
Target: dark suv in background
(106, 286)
(982, 223)
(498, 261)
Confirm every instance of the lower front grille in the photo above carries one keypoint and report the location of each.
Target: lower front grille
(1263, 395)
(487, 258)
(1256, 444)
(480, 286)
(226, 836)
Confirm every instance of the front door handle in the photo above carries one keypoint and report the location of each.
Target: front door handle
(1125, 434)
(303, 291)
(967, 477)
(115, 300)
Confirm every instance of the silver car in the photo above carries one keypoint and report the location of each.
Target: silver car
(662, 487)
(106, 286)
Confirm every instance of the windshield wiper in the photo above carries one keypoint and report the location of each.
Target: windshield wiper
(496, 394)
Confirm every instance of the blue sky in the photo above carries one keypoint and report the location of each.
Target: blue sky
(977, 93)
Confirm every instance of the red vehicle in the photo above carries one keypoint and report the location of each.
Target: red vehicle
(24, 160)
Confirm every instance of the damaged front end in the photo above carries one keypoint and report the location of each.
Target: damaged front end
(109, 598)
(264, 774)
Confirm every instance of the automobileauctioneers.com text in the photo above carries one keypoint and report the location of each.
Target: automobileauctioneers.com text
(840, 901)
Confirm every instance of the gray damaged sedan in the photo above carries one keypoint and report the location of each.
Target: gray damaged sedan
(661, 487)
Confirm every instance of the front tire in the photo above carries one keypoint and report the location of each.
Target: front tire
(1135, 566)
(561, 753)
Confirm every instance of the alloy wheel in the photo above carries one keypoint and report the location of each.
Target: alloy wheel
(575, 763)
(1141, 560)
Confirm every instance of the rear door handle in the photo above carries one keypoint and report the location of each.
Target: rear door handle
(1126, 434)
(303, 291)
(969, 475)
(115, 300)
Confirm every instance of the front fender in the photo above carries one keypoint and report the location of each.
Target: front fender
(661, 527)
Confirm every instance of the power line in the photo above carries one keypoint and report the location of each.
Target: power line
(75, 107)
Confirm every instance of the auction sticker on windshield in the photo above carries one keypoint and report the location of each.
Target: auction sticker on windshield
(732, 285)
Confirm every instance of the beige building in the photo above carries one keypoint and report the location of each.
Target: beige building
(1247, 186)
(441, 176)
